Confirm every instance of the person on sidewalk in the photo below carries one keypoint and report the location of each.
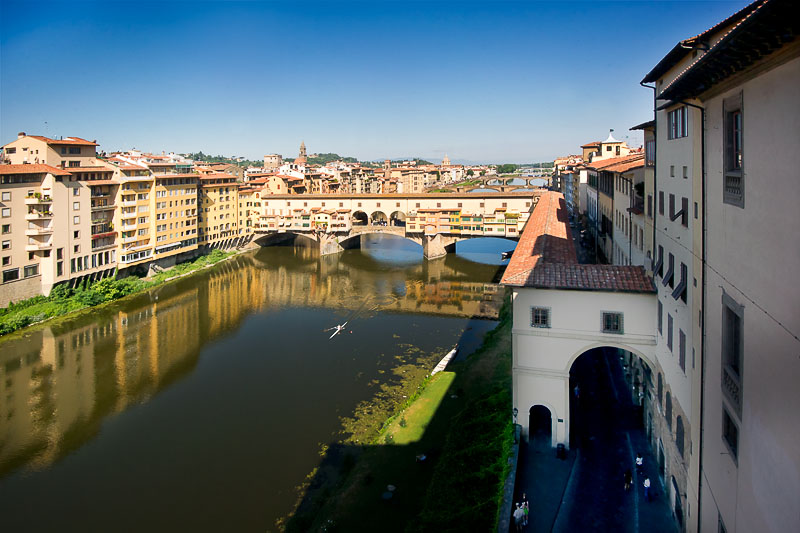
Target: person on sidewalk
(525, 510)
(639, 463)
(628, 479)
(646, 489)
(518, 517)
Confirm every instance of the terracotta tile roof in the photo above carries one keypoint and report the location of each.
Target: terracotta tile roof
(597, 143)
(78, 170)
(546, 258)
(66, 140)
(92, 183)
(617, 162)
(6, 170)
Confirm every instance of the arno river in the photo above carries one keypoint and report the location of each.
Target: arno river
(203, 403)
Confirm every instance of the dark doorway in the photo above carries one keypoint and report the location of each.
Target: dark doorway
(541, 426)
(678, 507)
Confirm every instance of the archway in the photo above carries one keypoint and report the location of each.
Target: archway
(398, 218)
(359, 218)
(677, 507)
(378, 218)
(540, 422)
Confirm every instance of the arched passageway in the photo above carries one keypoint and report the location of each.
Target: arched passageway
(398, 218)
(540, 423)
(378, 218)
(359, 218)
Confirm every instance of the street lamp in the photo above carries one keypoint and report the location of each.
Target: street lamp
(515, 412)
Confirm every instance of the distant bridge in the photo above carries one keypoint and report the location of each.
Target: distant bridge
(436, 221)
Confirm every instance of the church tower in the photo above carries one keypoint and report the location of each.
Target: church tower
(301, 159)
(446, 161)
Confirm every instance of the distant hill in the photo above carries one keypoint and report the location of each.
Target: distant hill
(322, 159)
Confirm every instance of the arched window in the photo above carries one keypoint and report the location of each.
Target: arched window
(660, 388)
(668, 410)
(679, 434)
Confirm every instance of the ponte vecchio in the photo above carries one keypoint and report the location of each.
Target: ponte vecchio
(434, 220)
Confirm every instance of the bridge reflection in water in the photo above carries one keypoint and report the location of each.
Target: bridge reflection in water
(64, 381)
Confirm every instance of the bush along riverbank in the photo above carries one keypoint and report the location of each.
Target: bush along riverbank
(64, 299)
(438, 462)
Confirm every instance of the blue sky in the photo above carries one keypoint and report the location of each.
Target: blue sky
(480, 81)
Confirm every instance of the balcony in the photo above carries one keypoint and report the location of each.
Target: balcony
(32, 232)
(130, 240)
(35, 247)
(38, 200)
(128, 201)
(100, 206)
(39, 215)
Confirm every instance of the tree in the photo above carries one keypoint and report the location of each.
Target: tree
(470, 172)
(507, 168)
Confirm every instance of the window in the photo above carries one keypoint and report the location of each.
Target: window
(11, 150)
(668, 409)
(6, 245)
(6, 196)
(679, 435)
(669, 332)
(76, 234)
(10, 275)
(658, 268)
(733, 160)
(670, 275)
(76, 220)
(74, 150)
(76, 206)
(76, 191)
(682, 350)
(680, 289)
(732, 350)
(6, 260)
(660, 388)
(612, 323)
(31, 270)
(76, 249)
(660, 202)
(6, 212)
(730, 432)
(672, 207)
(685, 212)
(672, 171)
(540, 317)
(660, 318)
(677, 125)
(6, 228)
(650, 206)
(60, 268)
(60, 253)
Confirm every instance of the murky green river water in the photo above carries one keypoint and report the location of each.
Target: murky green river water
(202, 404)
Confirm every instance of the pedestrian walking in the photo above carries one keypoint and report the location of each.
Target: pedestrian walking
(577, 391)
(646, 489)
(519, 515)
(628, 479)
(639, 463)
(525, 510)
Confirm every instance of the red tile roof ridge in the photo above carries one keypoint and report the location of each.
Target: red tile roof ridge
(65, 140)
(38, 168)
(546, 257)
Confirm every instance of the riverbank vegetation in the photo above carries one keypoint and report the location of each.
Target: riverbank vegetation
(64, 299)
(437, 463)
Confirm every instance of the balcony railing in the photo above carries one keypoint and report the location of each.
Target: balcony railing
(34, 247)
(38, 231)
(732, 387)
(37, 200)
(38, 215)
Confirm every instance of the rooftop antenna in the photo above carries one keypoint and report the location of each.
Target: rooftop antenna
(46, 130)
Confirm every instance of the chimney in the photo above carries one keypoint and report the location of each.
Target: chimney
(20, 135)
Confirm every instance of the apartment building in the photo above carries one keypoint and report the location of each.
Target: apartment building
(629, 224)
(218, 220)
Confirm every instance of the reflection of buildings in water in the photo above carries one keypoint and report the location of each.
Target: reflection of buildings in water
(58, 387)
(59, 382)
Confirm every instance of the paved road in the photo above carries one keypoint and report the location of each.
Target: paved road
(607, 437)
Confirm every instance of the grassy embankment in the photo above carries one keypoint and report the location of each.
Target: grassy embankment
(460, 419)
(64, 299)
